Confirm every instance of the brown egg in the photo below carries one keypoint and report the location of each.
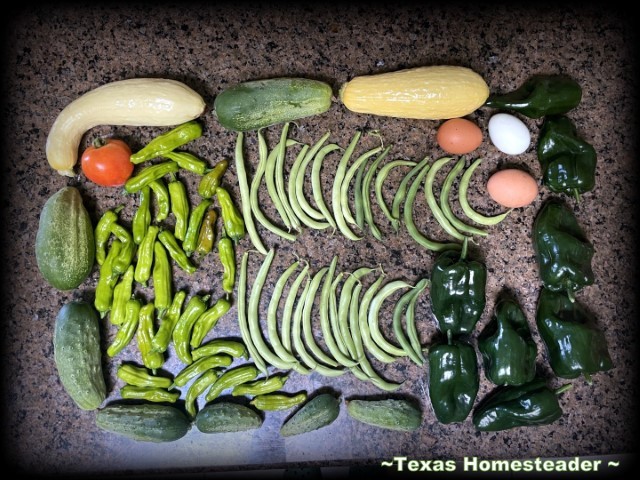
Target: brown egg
(458, 136)
(512, 188)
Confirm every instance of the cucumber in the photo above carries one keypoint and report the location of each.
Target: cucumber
(65, 247)
(144, 422)
(223, 417)
(76, 352)
(318, 412)
(262, 103)
(393, 414)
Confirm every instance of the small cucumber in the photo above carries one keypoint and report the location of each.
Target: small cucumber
(144, 422)
(223, 417)
(262, 103)
(393, 414)
(76, 352)
(318, 412)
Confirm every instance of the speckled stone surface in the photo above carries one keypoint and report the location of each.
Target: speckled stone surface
(54, 55)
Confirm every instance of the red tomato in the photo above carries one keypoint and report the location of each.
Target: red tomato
(107, 162)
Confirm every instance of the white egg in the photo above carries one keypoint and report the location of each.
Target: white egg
(509, 134)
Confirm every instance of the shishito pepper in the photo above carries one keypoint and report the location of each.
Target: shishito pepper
(574, 343)
(168, 141)
(453, 380)
(231, 217)
(540, 95)
(507, 348)
(457, 291)
(211, 180)
(227, 256)
(562, 250)
(531, 404)
(568, 162)
(180, 207)
(207, 233)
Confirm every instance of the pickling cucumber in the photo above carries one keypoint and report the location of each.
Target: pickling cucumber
(318, 412)
(144, 422)
(223, 417)
(393, 414)
(262, 103)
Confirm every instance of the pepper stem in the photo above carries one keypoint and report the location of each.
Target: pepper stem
(99, 142)
(576, 195)
(572, 297)
(563, 388)
(449, 337)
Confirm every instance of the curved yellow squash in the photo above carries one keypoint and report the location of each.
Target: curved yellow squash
(428, 93)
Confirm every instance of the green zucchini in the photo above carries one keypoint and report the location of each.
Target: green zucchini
(144, 422)
(393, 414)
(76, 352)
(318, 412)
(261, 103)
(65, 247)
(227, 417)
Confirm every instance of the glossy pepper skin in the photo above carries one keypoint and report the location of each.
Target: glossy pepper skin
(568, 162)
(528, 405)
(168, 141)
(457, 291)
(227, 255)
(231, 217)
(540, 95)
(563, 252)
(453, 380)
(574, 343)
(507, 348)
(180, 207)
(212, 179)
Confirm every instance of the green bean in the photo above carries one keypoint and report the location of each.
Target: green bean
(280, 174)
(344, 194)
(270, 180)
(254, 316)
(272, 311)
(432, 202)
(243, 184)
(357, 198)
(288, 310)
(464, 201)
(365, 331)
(398, 312)
(344, 306)
(374, 314)
(445, 193)
(410, 315)
(366, 195)
(299, 182)
(243, 321)
(408, 218)
(296, 329)
(204, 381)
(334, 319)
(316, 184)
(379, 182)
(401, 193)
(339, 202)
(255, 187)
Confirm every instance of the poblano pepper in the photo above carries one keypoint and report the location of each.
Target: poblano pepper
(453, 380)
(457, 291)
(531, 404)
(507, 348)
(540, 95)
(568, 162)
(574, 343)
(562, 250)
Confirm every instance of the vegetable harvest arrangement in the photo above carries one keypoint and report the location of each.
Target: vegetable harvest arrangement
(171, 239)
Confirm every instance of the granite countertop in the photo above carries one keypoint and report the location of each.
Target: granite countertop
(53, 55)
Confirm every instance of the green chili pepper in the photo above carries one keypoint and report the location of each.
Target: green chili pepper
(568, 162)
(128, 250)
(179, 200)
(260, 387)
(200, 366)
(163, 199)
(207, 321)
(162, 338)
(145, 255)
(162, 277)
(227, 256)
(207, 233)
(103, 232)
(212, 179)
(507, 348)
(140, 377)
(187, 161)
(231, 217)
(231, 378)
(531, 404)
(453, 380)
(195, 307)
(107, 280)
(276, 401)
(150, 358)
(220, 345)
(149, 174)
(150, 394)
(142, 217)
(128, 328)
(204, 381)
(540, 95)
(121, 294)
(575, 345)
(175, 251)
(457, 291)
(195, 222)
(563, 252)
(168, 141)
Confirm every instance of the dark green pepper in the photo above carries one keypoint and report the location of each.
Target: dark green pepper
(540, 95)
(211, 181)
(231, 217)
(457, 291)
(531, 404)
(168, 141)
(179, 200)
(227, 256)
(453, 380)
(568, 162)
(574, 343)
(507, 348)
(562, 251)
